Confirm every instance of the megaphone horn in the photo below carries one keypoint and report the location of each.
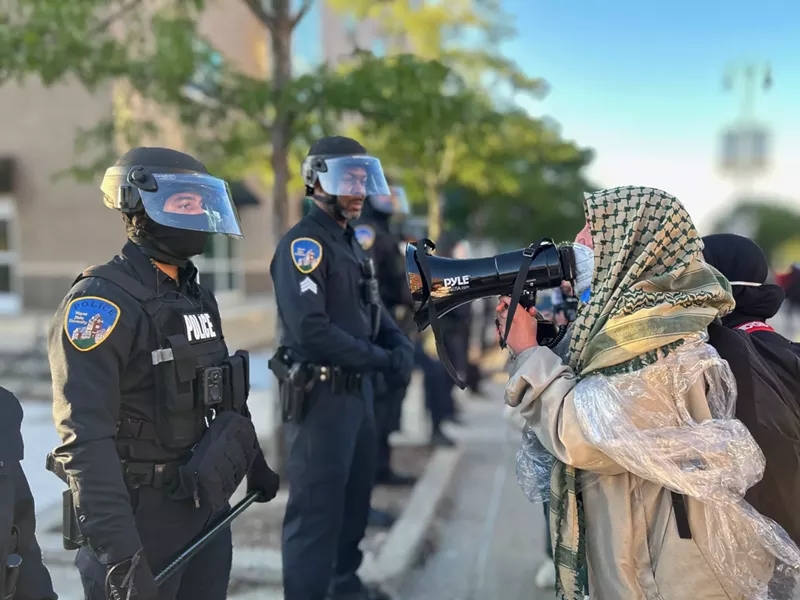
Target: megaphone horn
(455, 282)
(439, 285)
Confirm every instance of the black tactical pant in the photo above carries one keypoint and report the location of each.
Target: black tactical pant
(388, 415)
(166, 527)
(330, 468)
(437, 384)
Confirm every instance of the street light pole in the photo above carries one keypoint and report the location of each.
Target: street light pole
(750, 75)
(745, 151)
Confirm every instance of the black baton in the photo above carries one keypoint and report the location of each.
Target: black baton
(204, 538)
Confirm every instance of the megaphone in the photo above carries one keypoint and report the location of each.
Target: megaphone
(439, 285)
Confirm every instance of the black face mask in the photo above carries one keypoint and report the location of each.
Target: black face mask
(171, 245)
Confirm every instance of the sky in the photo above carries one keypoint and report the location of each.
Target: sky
(641, 82)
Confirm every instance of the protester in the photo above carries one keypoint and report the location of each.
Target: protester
(644, 406)
(766, 367)
(744, 264)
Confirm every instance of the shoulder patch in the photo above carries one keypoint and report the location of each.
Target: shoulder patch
(365, 234)
(306, 254)
(89, 321)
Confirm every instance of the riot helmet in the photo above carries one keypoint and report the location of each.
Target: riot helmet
(341, 166)
(170, 202)
(395, 203)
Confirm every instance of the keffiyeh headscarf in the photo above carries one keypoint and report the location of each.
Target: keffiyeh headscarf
(650, 290)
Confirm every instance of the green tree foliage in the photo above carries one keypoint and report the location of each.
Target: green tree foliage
(236, 122)
(463, 34)
(449, 119)
(438, 132)
(434, 115)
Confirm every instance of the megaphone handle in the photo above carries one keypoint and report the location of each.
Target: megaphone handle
(433, 315)
(519, 284)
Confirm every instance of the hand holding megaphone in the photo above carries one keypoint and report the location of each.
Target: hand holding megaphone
(523, 332)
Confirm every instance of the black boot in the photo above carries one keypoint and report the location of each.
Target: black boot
(389, 477)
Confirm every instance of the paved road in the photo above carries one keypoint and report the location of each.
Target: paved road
(489, 541)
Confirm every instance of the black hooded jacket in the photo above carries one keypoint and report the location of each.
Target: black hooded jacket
(766, 367)
(741, 260)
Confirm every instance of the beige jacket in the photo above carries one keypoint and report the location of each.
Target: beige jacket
(634, 551)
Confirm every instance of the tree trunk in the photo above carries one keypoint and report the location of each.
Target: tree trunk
(281, 42)
(285, 217)
(434, 207)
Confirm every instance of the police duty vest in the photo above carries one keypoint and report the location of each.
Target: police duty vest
(192, 372)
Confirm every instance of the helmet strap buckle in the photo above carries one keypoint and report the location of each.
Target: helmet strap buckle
(128, 200)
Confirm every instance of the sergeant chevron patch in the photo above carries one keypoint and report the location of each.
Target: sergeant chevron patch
(308, 285)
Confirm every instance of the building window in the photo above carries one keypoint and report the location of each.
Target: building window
(220, 267)
(10, 300)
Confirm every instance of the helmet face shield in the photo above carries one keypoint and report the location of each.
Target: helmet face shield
(394, 203)
(193, 201)
(350, 175)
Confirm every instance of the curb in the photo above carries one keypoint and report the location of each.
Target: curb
(406, 537)
(403, 543)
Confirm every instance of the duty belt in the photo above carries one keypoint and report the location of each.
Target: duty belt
(135, 474)
(339, 379)
(136, 429)
(156, 475)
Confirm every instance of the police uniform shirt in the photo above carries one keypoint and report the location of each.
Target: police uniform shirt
(317, 276)
(384, 247)
(100, 350)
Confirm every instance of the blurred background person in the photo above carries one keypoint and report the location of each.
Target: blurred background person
(790, 283)
(565, 304)
(374, 233)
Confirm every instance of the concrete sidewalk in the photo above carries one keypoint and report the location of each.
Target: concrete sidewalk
(489, 540)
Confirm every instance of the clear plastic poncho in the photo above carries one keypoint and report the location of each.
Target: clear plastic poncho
(641, 421)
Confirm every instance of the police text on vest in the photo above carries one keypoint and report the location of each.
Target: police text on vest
(199, 327)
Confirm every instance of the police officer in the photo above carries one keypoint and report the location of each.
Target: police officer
(23, 576)
(373, 232)
(334, 336)
(151, 409)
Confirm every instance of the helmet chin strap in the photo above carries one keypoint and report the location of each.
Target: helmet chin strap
(338, 212)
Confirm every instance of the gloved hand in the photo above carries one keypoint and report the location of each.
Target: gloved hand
(401, 365)
(262, 479)
(131, 579)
